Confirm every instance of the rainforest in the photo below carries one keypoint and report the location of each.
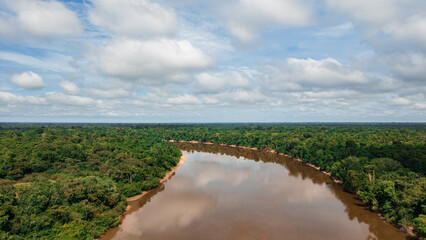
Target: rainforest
(71, 181)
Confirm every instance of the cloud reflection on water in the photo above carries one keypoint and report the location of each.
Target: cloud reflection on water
(219, 194)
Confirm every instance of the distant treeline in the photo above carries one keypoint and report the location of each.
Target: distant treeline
(70, 181)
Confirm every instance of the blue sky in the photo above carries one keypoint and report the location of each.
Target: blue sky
(212, 61)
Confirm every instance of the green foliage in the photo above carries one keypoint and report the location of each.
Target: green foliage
(76, 177)
(67, 183)
(383, 164)
(420, 224)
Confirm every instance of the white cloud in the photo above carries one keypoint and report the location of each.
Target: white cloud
(237, 80)
(244, 96)
(133, 18)
(420, 105)
(367, 11)
(142, 61)
(203, 36)
(64, 99)
(219, 81)
(332, 94)
(412, 29)
(401, 21)
(69, 87)
(54, 62)
(284, 12)
(243, 33)
(110, 93)
(225, 98)
(38, 19)
(409, 67)
(400, 101)
(11, 98)
(28, 80)
(386, 84)
(210, 83)
(248, 17)
(296, 74)
(184, 100)
(154, 61)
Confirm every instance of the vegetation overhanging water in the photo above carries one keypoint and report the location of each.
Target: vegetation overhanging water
(71, 181)
(225, 192)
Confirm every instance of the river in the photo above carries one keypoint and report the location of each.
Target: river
(232, 193)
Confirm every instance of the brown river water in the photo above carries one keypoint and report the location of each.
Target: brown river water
(232, 193)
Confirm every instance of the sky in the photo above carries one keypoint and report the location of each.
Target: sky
(212, 61)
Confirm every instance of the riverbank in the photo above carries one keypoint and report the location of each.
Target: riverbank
(136, 198)
(269, 150)
(408, 230)
(163, 180)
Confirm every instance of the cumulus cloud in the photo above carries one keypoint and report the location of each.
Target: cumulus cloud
(11, 98)
(219, 81)
(332, 94)
(69, 87)
(420, 105)
(141, 60)
(297, 74)
(184, 100)
(412, 29)
(208, 82)
(229, 97)
(401, 101)
(409, 67)
(38, 19)
(238, 97)
(28, 80)
(110, 93)
(367, 11)
(153, 61)
(64, 99)
(133, 18)
(244, 96)
(248, 17)
(401, 21)
(325, 72)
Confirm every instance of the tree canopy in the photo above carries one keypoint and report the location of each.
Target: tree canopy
(70, 181)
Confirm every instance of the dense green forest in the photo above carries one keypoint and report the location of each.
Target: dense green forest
(71, 181)
(384, 165)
